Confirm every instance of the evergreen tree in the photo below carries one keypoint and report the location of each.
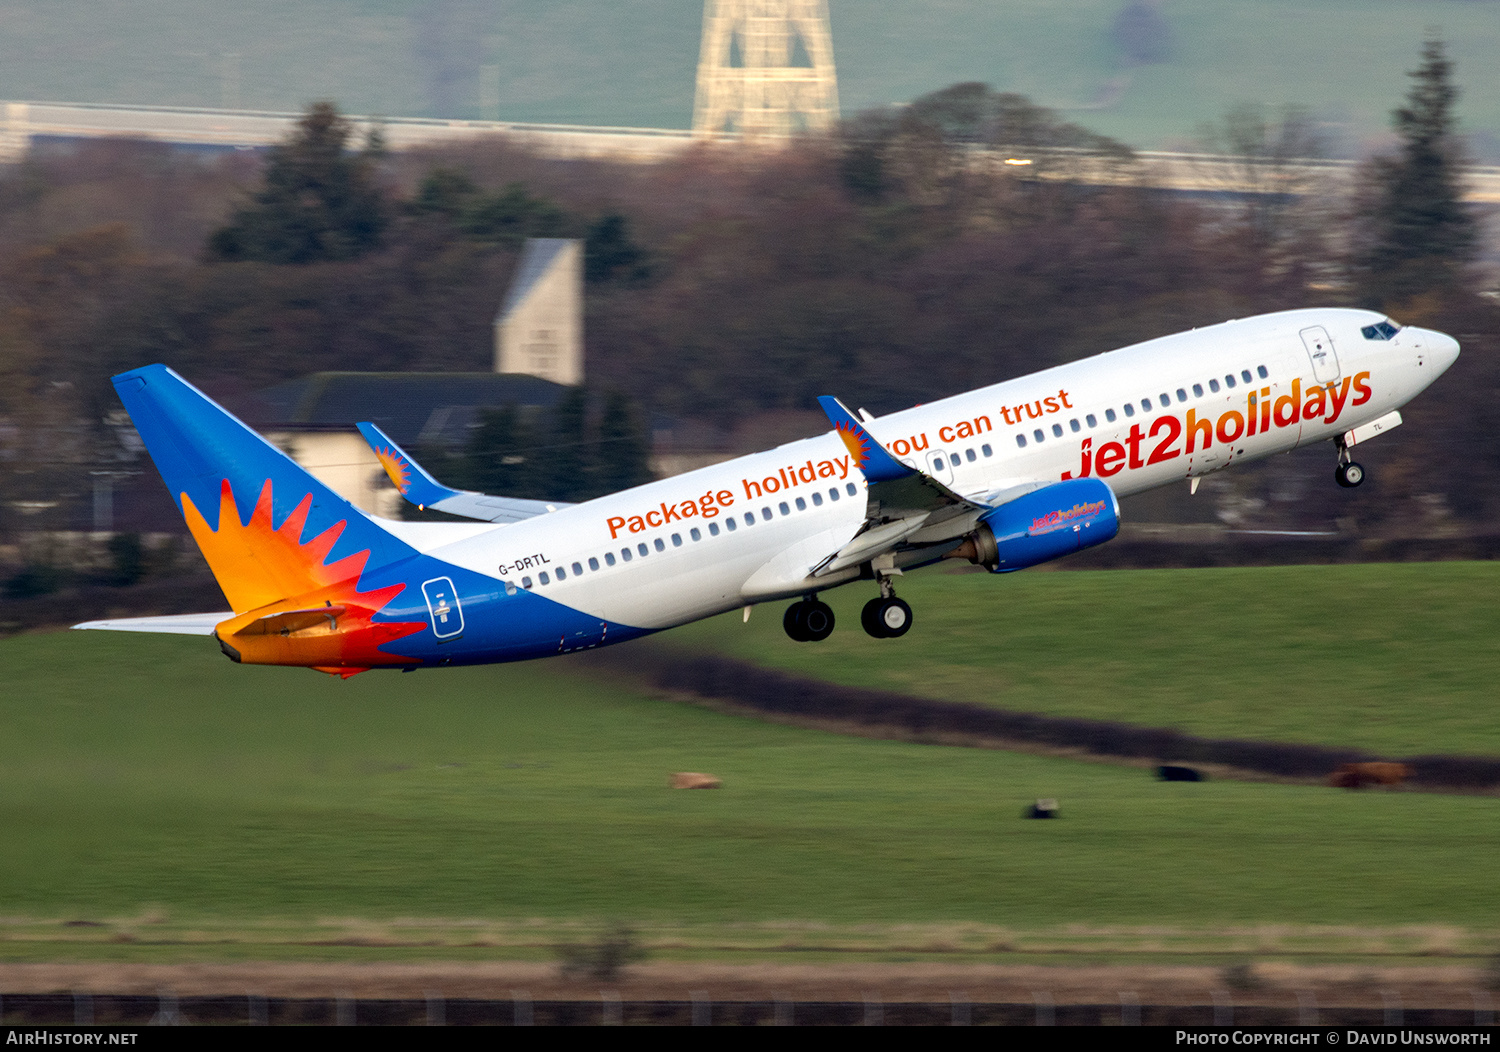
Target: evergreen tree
(500, 458)
(1422, 235)
(319, 201)
(565, 464)
(624, 452)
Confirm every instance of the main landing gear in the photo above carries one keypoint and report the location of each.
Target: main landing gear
(886, 617)
(809, 621)
(1348, 474)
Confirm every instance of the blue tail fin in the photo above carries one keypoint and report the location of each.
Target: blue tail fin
(268, 529)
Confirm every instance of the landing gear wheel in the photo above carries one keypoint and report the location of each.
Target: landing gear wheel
(1349, 475)
(792, 622)
(809, 621)
(886, 618)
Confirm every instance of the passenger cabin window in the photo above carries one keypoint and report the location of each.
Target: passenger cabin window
(594, 563)
(1075, 425)
(1129, 410)
(765, 513)
(542, 578)
(986, 450)
(661, 545)
(1146, 404)
(676, 541)
(1091, 420)
(801, 504)
(642, 548)
(1213, 385)
(578, 569)
(526, 583)
(562, 575)
(1229, 381)
(1165, 399)
(609, 558)
(1057, 431)
(955, 460)
(1262, 372)
(1181, 395)
(1038, 435)
(510, 588)
(833, 494)
(1109, 414)
(695, 534)
(1197, 390)
(749, 518)
(713, 528)
(852, 488)
(625, 554)
(783, 508)
(731, 524)
(1245, 376)
(1020, 440)
(817, 499)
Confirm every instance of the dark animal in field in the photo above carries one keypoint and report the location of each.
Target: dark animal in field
(1169, 773)
(695, 780)
(1376, 772)
(1043, 808)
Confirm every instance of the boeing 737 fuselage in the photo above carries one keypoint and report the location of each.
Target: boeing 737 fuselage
(1006, 476)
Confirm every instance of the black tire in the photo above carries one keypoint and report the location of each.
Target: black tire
(869, 618)
(1354, 474)
(817, 621)
(794, 624)
(895, 618)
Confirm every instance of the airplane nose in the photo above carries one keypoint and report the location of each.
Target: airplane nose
(1442, 348)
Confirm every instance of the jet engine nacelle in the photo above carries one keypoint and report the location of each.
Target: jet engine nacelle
(1045, 524)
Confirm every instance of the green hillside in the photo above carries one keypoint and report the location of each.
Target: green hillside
(195, 809)
(1395, 659)
(587, 61)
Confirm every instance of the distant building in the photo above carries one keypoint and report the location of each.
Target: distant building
(539, 331)
(313, 419)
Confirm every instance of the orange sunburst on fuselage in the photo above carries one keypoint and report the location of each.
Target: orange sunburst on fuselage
(267, 573)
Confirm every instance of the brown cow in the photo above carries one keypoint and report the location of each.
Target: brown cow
(1376, 772)
(693, 780)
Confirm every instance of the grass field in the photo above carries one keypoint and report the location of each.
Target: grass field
(1399, 659)
(198, 808)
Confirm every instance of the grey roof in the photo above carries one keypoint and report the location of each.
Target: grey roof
(413, 408)
(538, 255)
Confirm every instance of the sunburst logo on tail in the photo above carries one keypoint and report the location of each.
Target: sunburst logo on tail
(267, 571)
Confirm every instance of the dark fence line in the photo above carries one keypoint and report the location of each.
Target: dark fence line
(1277, 550)
(771, 691)
(111, 1010)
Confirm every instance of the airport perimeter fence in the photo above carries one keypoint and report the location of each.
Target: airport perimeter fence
(518, 1009)
(779, 693)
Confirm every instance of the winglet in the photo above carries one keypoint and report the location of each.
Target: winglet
(868, 455)
(406, 474)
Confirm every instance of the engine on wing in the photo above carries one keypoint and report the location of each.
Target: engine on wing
(1044, 524)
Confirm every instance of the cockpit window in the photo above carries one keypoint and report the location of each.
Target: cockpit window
(1380, 331)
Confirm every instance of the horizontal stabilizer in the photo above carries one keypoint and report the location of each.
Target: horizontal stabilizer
(171, 624)
(420, 488)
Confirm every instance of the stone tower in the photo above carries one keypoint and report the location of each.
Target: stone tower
(765, 69)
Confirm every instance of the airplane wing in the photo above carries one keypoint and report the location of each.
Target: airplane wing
(421, 489)
(904, 504)
(171, 624)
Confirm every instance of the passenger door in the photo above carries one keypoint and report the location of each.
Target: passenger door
(1325, 360)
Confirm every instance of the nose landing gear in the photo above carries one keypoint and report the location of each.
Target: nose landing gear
(1348, 474)
(808, 621)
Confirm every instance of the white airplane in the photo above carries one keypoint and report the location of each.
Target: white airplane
(1006, 476)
